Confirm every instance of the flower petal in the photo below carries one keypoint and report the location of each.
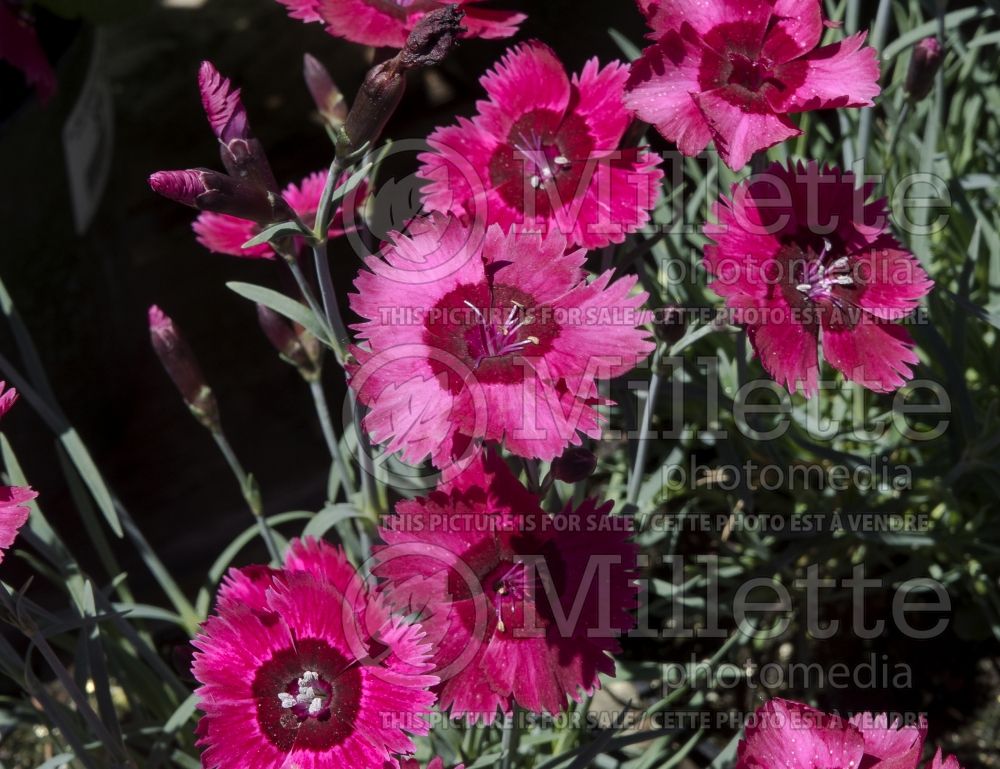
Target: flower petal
(876, 354)
(844, 74)
(661, 86)
(742, 126)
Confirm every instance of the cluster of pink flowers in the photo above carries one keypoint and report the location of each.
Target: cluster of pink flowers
(308, 664)
(481, 330)
(791, 735)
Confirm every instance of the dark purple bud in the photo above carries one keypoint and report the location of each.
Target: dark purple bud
(927, 57)
(329, 100)
(574, 465)
(383, 87)
(669, 324)
(293, 343)
(181, 366)
(209, 190)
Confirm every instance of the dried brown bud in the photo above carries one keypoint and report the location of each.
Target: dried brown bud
(574, 465)
(432, 38)
(329, 100)
(383, 87)
(927, 57)
(181, 366)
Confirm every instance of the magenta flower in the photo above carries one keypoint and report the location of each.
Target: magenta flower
(225, 234)
(545, 152)
(791, 735)
(733, 71)
(292, 677)
(524, 607)
(389, 22)
(489, 336)
(801, 258)
(14, 511)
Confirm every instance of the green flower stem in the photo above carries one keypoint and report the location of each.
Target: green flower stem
(877, 41)
(251, 493)
(330, 435)
(642, 449)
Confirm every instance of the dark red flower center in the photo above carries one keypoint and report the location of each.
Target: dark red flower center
(544, 162)
(821, 278)
(308, 696)
(749, 73)
(492, 328)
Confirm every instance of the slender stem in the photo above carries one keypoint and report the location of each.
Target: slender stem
(330, 434)
(511, 738)
(877, 41)
(642, 449)
(897, 129)
(303, 284)
(250, 493)
(367, 468)
(330, 307)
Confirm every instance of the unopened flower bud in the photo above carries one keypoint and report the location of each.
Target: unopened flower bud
(242, 155)
(669, 324)
(294, 344)
(209, 190)
(575, 465)
(927, 57)
(383, 87)
(329, 100)
(179, 362)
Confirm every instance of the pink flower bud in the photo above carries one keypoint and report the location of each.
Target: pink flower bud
(181, 366)
(329, 100)
(180, 186)
(242, 155)
(222, 103)
(927, 58)
(209, 190)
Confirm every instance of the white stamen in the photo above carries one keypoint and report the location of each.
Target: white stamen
(803, 288)
(843, 280)
(536, 182)
(306, 693)
(315, 706)
(561, 160)
(287, 700)
(839, 264)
